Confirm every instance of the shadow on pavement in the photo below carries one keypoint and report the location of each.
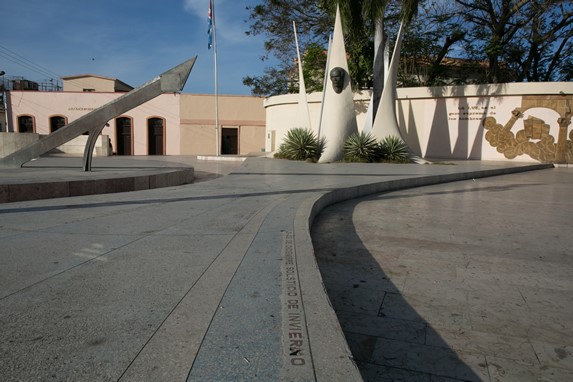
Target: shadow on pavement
(389, 339)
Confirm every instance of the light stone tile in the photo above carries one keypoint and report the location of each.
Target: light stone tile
(29, 258)
(428, 359)
(516, 348)
(554, 355)
(503, 370)
(551, 328)
(549, 300)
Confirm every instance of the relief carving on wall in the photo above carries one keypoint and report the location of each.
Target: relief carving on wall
(534, 139)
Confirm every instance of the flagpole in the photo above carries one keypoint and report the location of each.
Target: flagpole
(216, 79)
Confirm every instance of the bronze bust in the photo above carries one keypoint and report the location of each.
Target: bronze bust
(337, 77)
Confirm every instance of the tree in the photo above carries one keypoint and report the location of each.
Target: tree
(273, 19)
(520, 39)
(494, 23)
(455, 45)
(543, 48)
(429, 45)
(363, 22)
(499, 40)
(273, 82)
(313, 66)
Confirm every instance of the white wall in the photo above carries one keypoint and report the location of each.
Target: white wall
(441, 122)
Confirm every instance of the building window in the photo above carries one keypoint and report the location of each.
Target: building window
(25, 124)
(89, 90)
(57, 122)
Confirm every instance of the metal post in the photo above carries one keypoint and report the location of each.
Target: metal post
(216, 79)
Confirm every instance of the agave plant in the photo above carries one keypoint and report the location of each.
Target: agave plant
(393, 149)
(360, 147)
(301, 144)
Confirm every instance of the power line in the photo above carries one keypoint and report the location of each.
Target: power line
(28, 64)
(23, 61)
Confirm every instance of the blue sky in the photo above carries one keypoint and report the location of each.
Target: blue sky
(133, 41)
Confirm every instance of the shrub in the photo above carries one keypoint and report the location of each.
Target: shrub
(360, 147)
(301, 144)
(393, 149)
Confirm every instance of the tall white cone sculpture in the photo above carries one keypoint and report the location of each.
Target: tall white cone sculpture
(303, 113)
(386, 122)
(339, 119)
(368, 121)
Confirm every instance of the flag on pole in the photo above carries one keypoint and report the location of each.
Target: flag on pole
(210, 30)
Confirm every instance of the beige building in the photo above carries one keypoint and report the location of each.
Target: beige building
(171, 124)
(92, 83)
(241, 121)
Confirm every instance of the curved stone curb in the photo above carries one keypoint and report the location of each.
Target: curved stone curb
(331, 355)
(46, 190)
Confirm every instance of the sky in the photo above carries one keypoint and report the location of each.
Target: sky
(133, 41)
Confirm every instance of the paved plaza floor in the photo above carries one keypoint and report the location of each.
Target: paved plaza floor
(217, 280)
(470, 280)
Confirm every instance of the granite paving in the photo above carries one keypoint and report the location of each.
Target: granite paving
(471, 280)
(217, 279)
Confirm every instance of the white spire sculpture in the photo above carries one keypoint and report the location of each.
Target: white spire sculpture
(368, 121)
(385, 123)
(339, 118)
(303, 114)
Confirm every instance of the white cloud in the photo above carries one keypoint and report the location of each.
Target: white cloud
(196, 7)
(230, 17)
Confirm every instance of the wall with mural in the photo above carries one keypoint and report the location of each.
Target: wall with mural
(518, 121)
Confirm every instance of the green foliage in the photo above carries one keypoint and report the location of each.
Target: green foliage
(313, 67)
(450, 42)
(301, 144)
(362, 148)
(273, 82)
(273, 20)
(393, 149)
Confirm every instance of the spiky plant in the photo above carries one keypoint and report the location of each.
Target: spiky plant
(360, 147)
(301, 144)
(393, 149)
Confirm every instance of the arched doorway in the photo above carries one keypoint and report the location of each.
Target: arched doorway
(25, 124)
(155, 136)
(123, 136)
(57, 122)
